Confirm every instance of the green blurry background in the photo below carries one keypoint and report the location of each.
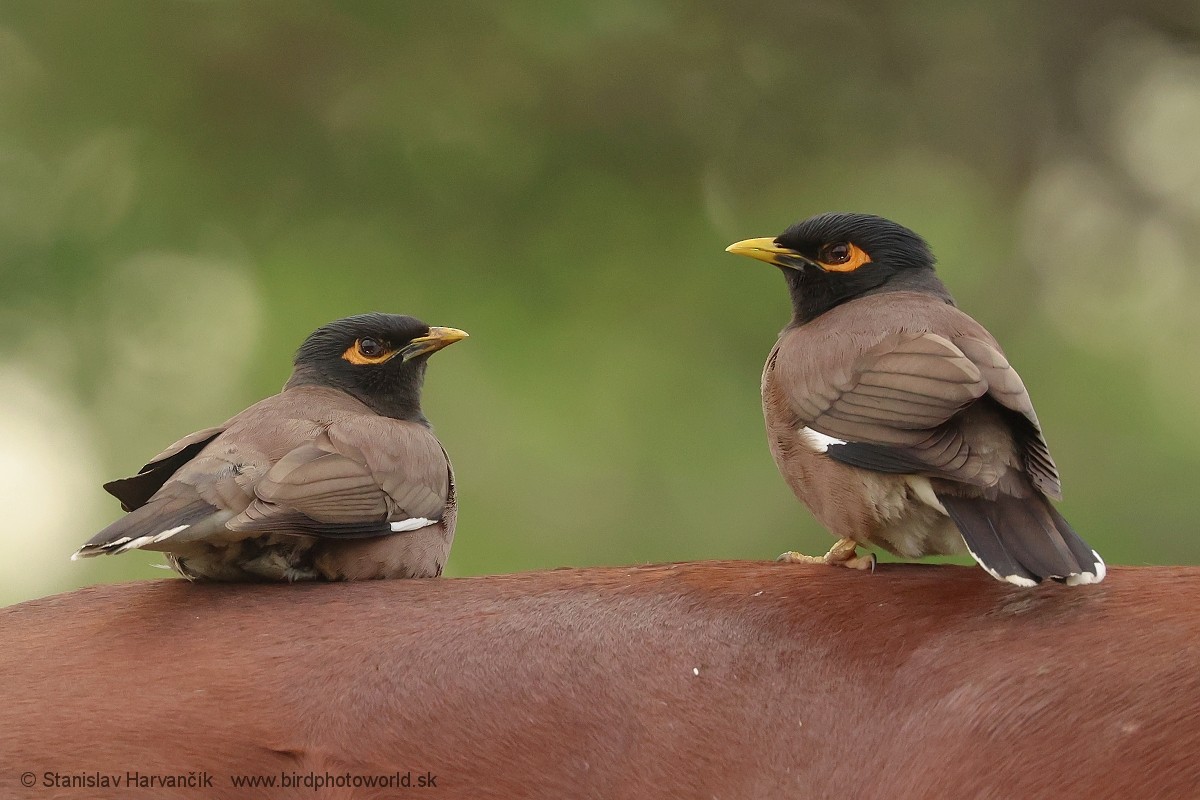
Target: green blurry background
(188, 188)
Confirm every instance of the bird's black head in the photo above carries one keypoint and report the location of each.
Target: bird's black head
(831, 258)
(378, 358)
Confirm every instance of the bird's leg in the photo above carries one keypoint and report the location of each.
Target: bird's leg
(844, 553)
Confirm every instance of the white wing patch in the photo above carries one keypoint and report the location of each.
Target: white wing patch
(817, 441)
(411, 524)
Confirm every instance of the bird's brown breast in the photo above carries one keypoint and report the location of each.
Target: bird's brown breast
(871, 508)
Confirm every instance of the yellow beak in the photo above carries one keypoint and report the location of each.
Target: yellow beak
(765, 249)
(436, 340)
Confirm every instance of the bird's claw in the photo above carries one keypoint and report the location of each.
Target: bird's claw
(843, 554)
(792, 557)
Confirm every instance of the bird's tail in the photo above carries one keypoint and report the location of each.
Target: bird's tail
(145, 528)
(1023, 540)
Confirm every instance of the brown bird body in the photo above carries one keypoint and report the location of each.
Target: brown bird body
(897, 419)
(337, 477)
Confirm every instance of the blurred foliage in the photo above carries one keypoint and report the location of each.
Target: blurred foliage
(187, 189)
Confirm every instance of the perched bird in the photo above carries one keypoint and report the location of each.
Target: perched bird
(896, 418)
(337, 477)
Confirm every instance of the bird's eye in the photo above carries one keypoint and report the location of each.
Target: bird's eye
(838, 253)
(368, 350)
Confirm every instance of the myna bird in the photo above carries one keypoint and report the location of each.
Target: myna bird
(337, 477)
(896, 418)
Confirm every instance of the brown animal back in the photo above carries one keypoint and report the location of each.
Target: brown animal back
(734, 680)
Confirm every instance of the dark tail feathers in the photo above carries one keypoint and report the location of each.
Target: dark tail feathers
(144, 526)
(1023, 540)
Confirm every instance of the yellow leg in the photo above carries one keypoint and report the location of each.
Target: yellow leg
(844, 553)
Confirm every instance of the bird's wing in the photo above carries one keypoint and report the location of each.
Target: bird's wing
(369, 476)
(134, 492)
(887, 406)
(894, 406)
(1006, 388)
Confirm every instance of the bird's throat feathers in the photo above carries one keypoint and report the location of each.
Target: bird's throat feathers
(814, 292)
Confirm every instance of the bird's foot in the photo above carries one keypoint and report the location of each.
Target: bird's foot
(844, 553)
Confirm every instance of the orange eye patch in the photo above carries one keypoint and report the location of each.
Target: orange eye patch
(842, 257)
(367, 351)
